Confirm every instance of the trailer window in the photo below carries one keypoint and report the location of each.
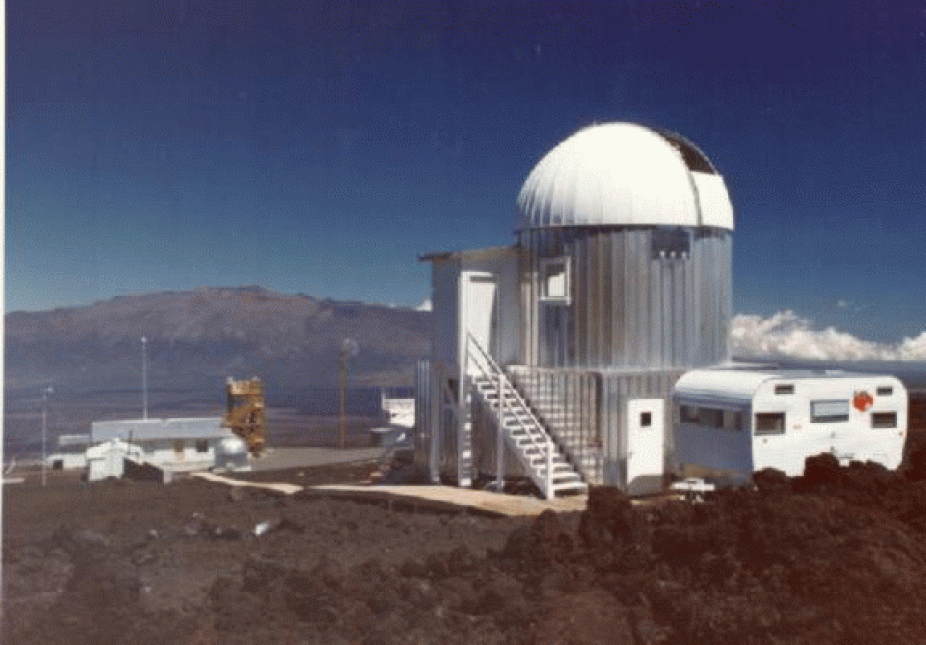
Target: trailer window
(786, 388)
(202, 445)
(732, 420)
(770, 423)
(885, 391)
(829, 411)
(688, 414)
(883, 419)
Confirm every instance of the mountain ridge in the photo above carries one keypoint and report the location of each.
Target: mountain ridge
(195, 340)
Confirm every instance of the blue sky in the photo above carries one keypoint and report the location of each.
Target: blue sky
(321, 147)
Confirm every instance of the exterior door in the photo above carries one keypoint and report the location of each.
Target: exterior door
(645, 445)
(480, 313)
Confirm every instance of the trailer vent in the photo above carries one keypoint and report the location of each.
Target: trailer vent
(787, 388)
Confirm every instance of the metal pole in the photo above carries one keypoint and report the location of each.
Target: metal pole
(45, 392)
(548, 493)
(144, 378)
(342, 383)
(499, 439)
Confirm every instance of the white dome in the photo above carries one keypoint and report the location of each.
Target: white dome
(620, 174)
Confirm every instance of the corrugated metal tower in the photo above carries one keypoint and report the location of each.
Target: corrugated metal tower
(627, 239)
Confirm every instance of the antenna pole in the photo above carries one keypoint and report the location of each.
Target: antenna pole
(144, 378)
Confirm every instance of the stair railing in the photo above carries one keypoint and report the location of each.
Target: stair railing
(489, 369)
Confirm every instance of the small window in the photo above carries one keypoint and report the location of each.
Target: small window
(732, 420)
(883, 419)
(711, 418)
(646, 419)
(202, 445)
(688, 414)
(554, 280)
(829, 411)
(770, 423)
(784, 388)
(885, 391)
(671, 244)
(179, 445)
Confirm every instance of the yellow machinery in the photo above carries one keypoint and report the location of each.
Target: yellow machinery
(244, 412)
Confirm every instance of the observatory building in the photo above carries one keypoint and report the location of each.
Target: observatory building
(556, 357)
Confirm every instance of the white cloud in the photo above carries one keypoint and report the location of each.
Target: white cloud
(785, 334)
(843, 304)
(425, 305)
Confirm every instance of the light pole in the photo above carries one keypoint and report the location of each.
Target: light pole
(144, 378)
(45, 392)
(349, 349)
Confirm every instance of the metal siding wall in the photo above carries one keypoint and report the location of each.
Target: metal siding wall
(445, 310)
(422, 412)
(617, 389)
(628, 309)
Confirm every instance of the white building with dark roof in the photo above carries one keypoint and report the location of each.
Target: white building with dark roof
(171, 444)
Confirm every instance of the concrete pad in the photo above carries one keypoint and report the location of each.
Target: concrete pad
(280, 458)
(451, 498)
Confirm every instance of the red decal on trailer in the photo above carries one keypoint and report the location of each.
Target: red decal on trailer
(862, 401)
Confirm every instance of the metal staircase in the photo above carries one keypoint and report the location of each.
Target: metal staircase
(522, 431)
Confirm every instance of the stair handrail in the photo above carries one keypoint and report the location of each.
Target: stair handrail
(495, 372)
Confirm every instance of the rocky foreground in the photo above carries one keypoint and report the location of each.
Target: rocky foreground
(835, 556)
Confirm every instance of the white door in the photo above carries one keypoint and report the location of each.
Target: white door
(645, 445)
(480, 311)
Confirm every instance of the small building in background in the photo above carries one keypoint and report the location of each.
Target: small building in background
(72, 454)
(172, 444)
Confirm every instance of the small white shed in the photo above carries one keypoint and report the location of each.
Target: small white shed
(731, 422)
(177, 444)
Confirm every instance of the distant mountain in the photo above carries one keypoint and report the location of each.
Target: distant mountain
(212, 333)
(195, 339)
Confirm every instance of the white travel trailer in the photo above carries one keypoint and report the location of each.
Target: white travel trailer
(731, 422)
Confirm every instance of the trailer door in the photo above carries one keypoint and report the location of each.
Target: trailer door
(645, 445)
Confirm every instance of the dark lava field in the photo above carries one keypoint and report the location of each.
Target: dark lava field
(835, 556)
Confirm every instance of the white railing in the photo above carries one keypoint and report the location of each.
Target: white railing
(508, 395)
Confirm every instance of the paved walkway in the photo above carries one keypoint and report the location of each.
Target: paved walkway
(286, 489)
(437, 498)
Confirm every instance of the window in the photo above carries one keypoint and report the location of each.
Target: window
(670, 243)
(784, 388)
(829, 411)
(770, 423)
(688, 414)
(732, 420)
(711, 417)
(554, 280)
(883, 419)
(202, 445)
(179, 445)
(646, 419)
(885, 391)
